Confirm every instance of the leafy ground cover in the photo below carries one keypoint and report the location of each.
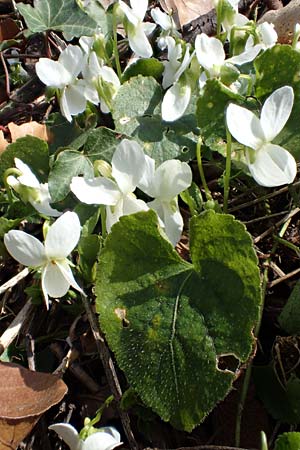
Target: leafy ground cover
(149, 226)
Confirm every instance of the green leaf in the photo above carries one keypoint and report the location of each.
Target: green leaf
(137, 113)
(101, 143)
(68, 164)
(148, 67)
(58, 15)
(88, 249)
(289, 318)
(281, 402)
(7, 224)
(276, 67)
(171, 323)
(288, 441)
(32, 151)
(62, 132)
(211, 109)
(101, 16)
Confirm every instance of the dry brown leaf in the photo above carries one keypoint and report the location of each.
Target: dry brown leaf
(3, 142)
(32, 128)
(8, 29)
(24, 396)
(284, 20)
(184, 11)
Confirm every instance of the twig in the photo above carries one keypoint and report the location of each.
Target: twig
(284, 278)
(7, 85)
(30, 347)
(75, 368)
(202, 447)
(12, 331)
(273, 227)
(110, 372)
(261, 199)
(14, 280)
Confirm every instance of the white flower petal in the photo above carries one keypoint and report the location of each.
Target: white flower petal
(131, 16)
(63, 236)
(138, 41)
(26, 249)
(27, 178)
(273, 166)
(113, 432)
(171, 178)
(68, 274)
(171, 217)
(146, 182)
(67, 433)
(209, 51)
(54, 282)
(148, 27)
(42, 205)
(175, 102)
(128, 163)
(248, 55)
(276, 111)
(133, 205)
(113, 214)
(52, 73)
(100, 441)
(184, 64)
(139, 8)
(244, 126)
(75, 99)
(73, 60)
(162, 19)
(267, 34)
(97, 191)
(109, 75)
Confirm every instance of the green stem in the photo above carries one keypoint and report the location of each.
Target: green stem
(227, 171)
(219, 11)
(201, 171)
(115, 43)
(103, 221)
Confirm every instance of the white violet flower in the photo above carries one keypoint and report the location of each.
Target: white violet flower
(102, 83)
(178, 96)
(211, 56)
(137, 31)
(164, 184)
(269, 164)
(62, 74)
(50, 257)
(128, 165)
(107, 438)
(30, 189)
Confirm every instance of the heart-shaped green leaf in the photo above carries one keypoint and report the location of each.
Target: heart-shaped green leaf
(173, 324)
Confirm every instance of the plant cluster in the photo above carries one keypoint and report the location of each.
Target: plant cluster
(108, 199)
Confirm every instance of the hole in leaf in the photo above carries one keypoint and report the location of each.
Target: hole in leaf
(121, 314)
(228, 362)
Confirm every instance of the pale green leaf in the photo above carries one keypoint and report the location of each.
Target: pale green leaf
(68, 164)
(58, 15)
(137, 113)
(288, 441)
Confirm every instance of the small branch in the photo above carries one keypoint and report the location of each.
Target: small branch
(14, 328)
(271, 229)
(284, 278)
(14, 280)
(110, 372)
(264, 197)
(68, 363)
(7, 85)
